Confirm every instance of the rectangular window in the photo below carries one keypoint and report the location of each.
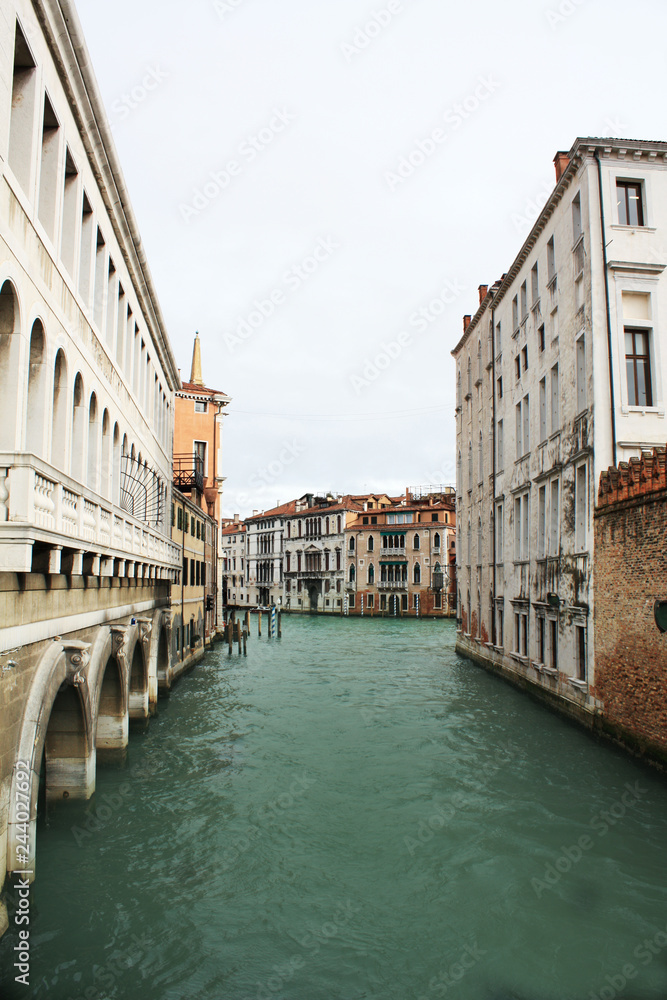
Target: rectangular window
(524, 358)
(555, 400)
(48, 171)
(371, 600)
(499, 534)
(540, 640)
(517, 529)
(524, 526)
(580, 639)
(638, 367)
(86, 252)
(515, 313)
(200, 457)
(517, 633)
(100, 281)
(185, 570)
(524, 300)
(23, 110)
(629, 201)
(526, 424)
(543, 409)
(554, 325)
(581, 499)
(534, 284)
(581, 374)
(200, 406)
(498, 339)
(576, 219)
(179, 519)
(541, 338)
(437, 601)
(541, 522)
(554, 516)
(519, 426)
(553, 643)
(551, 260)
(121, 324)
(500, 387)
(192, 572)
(70, 213)
(501, 447)
(517, 367)
(197, 574)
(524, 635)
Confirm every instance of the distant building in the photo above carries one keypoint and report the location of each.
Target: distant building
(314, 553)
(264, 556)
(193, 598)
(560, 373)
(233, 558)
(399, 556)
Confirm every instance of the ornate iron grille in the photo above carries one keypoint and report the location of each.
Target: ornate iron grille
(142, 492)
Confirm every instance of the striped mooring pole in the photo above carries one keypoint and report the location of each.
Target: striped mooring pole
(272, 627)
(346, 605)
(362, 605)
(417, 605)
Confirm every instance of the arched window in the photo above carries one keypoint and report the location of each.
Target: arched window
(371, 574)
(299, 529)
(105, 465)
(417, 573)
(416, 542)
(339, 524)
(78, 429)
(479, 541)
(115, 485)
(351, 543)
(60, 402)
(480, 457)
(371, 543)
(289, 529)
(93, 456)
(470, 466)
(352, 574)
(319, 526)
(10, 381)
(35, 426)
(327, 526)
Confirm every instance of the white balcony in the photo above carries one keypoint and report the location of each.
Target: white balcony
(40, 505)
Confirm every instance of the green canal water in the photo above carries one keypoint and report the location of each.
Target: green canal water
(353, 812)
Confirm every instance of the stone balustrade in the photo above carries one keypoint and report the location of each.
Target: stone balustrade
(38, 504)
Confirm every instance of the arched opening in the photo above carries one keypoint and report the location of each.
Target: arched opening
(163, 665)
(417, 573)
(69, 766)
(371, 574)
(352, 574)
(112, 719)
(314, 597)
(115, 470)
(105, 463)
(78, 429)
(35, 422)
(138, 685)
(416, 542)
(59, 421)
(10, 352)
(93, 443)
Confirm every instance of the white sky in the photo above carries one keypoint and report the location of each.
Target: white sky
(219, 72)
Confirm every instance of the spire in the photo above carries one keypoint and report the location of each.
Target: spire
(195, 374)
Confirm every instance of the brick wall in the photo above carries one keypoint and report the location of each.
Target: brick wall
(630, 575)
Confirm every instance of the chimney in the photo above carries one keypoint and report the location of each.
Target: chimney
(237, 518)
(561, 163)
(196, 373)
(483, 289)
(466, 322)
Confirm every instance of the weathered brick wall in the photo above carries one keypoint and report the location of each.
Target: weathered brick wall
(630, 575)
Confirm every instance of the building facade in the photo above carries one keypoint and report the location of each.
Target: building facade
(314, 562)
(193, 598)
(87, 383)
(399, 557)
(560, 373)
(235, 594)
(264, 556)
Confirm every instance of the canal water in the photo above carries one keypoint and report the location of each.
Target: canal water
(353, 812)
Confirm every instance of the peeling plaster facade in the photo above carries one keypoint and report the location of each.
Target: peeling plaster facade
(545, 403)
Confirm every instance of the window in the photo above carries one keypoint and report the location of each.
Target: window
(540, 640)
(501, 448)
(541, 341)
(192, 572)
(469, 466)
(519, 425)
(580, 640)
(534, 285)
(576, 219)
(480, 459)
(417, 573)
(371, 543)
(541, 521)
(498, 338)
(415, 544)
(70, 214)
(436, 541)
(521, 528)
(479, 541)
(555, 400)
(524, 300)
(543, 409)
(517, 367)
(580, 503)
(515, 313)
(351, 543)
(554, 325)
(352, 574)
(524, 358)
(499, 534)
(638, 367)
(629, 201)
(554, 515)
(469, 377)
(521, 633)
(371, 600)
(86, 258)
(469, 543)
(23, 110)
(500, 387)
(581, 374)
(551, 261)
(201, 406)
(371, 575)
(48, 174)
(553, 643)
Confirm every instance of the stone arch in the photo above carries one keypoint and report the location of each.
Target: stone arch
(106, 471)
(57, 726)
(93, 443)
(59, 412)
(108, 680)
(163, 667)
(138, 683)
(78, 429)
(10, 365)
(37, 391)
(115, 471)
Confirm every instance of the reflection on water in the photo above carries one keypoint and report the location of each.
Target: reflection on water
(354, 812)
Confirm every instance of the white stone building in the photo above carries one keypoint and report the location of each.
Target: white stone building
(314, 546)
(561, 373)
(264, 556)
(87, 383)
(233, 562)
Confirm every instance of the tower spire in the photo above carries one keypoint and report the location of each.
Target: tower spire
(195, 374)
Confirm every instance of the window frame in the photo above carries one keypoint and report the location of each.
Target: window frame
(625, 183)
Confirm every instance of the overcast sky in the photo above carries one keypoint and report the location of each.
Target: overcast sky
(320, 185)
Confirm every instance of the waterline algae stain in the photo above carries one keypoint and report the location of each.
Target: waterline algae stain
(354, 812)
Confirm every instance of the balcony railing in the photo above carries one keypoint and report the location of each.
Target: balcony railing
(392, 585)
(40, 504)
(189, 473)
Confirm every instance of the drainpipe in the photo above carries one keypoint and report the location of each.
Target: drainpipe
(493, 444)
(606, 292)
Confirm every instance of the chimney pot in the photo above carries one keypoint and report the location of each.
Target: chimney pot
(561, 163)
(483, 289)
(466, 322)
